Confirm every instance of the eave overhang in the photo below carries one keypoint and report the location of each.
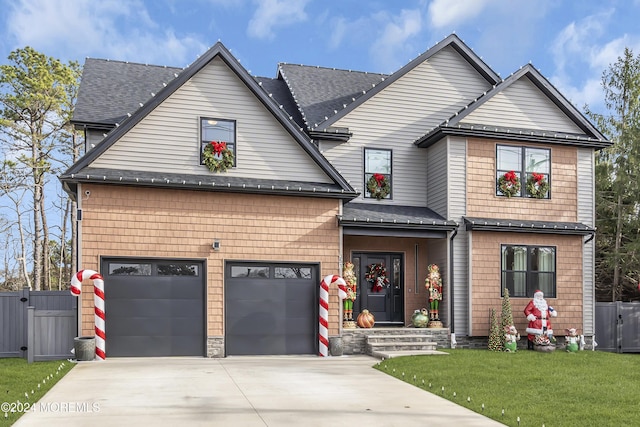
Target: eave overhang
(510, 134)
(522, 226)
(217, 183)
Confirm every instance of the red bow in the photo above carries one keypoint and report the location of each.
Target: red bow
(537, 177)
(218, 147)
(511, 177)
(379, 179)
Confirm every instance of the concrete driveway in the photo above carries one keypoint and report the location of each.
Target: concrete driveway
(241, 391)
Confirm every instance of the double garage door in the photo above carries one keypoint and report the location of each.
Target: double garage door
(157, 308)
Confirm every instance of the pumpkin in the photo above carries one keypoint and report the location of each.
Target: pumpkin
(366, 319)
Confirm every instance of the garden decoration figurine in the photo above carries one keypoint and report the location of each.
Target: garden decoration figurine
(511, 337)
(420, 318)
(350, 278)
(572, 340)
(539, 313)
(433, 283)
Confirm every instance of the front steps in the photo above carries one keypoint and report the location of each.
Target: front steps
(386, 346)
(388, 342)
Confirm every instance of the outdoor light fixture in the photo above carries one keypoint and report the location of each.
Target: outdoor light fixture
(216, 245)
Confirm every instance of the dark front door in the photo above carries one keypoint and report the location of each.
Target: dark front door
(386, 303)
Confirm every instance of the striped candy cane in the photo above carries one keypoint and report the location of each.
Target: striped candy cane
(98, 302)
(323, 331)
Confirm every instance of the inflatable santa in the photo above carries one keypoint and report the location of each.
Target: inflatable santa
(539, 316)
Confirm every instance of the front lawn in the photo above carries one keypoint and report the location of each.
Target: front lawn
(22, 384)
(540, 389)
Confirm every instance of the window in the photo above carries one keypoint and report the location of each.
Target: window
(376, 161)
(220, 131)
(129, 269)
(527, 268)
(178, 269)
(524, 161)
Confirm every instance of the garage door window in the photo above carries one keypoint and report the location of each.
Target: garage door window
(179, 269)
(252, 271)
(292, 273)
(129, 269)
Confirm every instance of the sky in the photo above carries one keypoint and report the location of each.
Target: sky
(571, 42)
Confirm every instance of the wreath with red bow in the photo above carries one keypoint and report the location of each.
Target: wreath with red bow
(217, 156)
(509, 184)
(378, 186)
(537, 186)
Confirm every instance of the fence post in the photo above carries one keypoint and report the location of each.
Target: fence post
(30, 333)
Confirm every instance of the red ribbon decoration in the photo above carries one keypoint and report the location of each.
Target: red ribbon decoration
(511, 177)
(218, 147)
(379, 179)
(537, 177)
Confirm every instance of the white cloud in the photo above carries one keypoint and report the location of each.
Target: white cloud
(275, 13)
(444, 13)
(111, 28)
(395, 38)
(578, 50)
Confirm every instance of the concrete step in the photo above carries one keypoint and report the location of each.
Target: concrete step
(384, 354)
(395, 338)
(400, 345)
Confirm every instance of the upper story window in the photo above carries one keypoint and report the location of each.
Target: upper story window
(526, 269)
(218, 130)
(531, 166)
(377, 173)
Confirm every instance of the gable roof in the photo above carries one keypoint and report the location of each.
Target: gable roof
(331, 115)
(217, 51)
(453, 126)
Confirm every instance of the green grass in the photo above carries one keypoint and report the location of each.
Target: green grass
(552, 389)
(22, 384)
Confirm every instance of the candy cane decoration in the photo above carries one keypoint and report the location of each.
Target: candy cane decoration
(98, 302)
(323, 332)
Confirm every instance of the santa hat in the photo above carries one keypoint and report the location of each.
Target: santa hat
(538, 294)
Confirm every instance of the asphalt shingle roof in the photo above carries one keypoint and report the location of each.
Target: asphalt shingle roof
(321, 92)
(369, 214)
(111, 89)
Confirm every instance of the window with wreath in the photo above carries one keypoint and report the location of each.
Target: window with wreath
(528, 268)
(377, 173)
(523, 171)
(217, 143)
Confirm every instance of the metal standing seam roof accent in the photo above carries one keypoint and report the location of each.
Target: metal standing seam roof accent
(527, 226)
(392, 216)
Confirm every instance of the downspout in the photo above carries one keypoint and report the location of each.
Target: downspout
(593, 314)
(452, 307)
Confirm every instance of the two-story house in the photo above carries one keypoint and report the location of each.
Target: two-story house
(392, 172)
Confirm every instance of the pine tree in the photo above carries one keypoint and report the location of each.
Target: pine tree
(495, 337)
(506, 315)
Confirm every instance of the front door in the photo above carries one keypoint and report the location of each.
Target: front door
(383, 298)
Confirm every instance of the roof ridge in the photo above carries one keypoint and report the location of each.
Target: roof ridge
(321, 67)
(133, 63)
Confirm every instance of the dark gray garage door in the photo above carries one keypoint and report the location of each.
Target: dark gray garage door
(154, 307)
(271, 308)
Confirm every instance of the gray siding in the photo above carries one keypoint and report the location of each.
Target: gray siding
(437, 177)
(586, 215)
(93, 138)
(167, 139)
(457, 202)
(399, 115)
(522, 105)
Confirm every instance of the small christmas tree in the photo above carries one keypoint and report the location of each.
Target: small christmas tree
(495, 337)
(506, 316)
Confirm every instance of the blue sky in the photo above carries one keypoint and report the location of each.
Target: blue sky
(571, 42)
